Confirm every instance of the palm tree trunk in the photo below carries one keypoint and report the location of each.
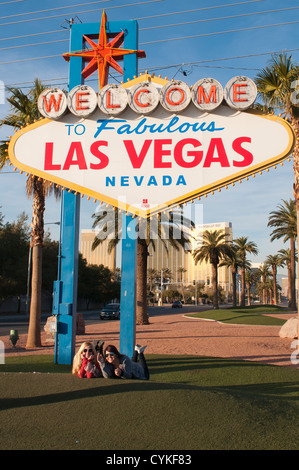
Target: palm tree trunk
(141, 293)
(293, 271)
(248, 294)
(289, 283)
(274, 272)
(234, 276)
(37, 234)
(242, 287)
(215, 285)
(34, 334)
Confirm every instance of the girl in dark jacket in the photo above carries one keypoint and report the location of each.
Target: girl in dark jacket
(120, 365)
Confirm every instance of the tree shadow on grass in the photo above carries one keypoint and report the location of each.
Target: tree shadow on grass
(284, 393)
(107, 387)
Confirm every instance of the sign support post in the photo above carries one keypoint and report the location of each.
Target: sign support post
(65, 289)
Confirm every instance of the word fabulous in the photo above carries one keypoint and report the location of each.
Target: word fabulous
(143, 98)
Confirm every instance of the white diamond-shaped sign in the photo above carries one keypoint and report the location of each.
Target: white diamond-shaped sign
(144, 163)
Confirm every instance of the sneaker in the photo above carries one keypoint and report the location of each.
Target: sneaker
(139, 349)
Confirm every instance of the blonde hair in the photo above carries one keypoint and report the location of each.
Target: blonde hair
(77, 361)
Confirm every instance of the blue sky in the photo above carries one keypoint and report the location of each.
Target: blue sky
(218, 39)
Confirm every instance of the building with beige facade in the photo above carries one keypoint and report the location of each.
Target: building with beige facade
(172, 259)
(98, 256)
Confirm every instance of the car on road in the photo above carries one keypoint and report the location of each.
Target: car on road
(110, 312)
(177, 304)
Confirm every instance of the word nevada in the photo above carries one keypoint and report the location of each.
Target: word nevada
(144, 97)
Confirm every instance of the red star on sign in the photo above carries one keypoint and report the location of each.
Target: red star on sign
(103, 54)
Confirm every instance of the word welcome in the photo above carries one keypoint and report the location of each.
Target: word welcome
(143, 98)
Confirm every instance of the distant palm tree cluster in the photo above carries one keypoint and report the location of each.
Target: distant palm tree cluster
(220, 252)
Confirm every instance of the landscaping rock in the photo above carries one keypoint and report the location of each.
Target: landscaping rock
(289, 329)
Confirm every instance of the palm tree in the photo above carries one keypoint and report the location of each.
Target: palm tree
(166, 228)
(214, 248)
(276, 85)
(244, 246)
(181, 271)
(152, 275)
(232, 260)
(286, 259)
(284, 221)
(274, 261)
(249, 280)
(165, 277)
(264, 274)
(24, 111)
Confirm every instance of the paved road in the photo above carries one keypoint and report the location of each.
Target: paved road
(20, 323)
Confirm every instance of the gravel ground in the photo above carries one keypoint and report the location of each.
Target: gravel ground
(176, 334)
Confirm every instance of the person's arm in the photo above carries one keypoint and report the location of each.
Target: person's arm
(107, 370)
(82, 371)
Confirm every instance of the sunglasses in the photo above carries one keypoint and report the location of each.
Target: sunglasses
(87, 350)
(109, 354)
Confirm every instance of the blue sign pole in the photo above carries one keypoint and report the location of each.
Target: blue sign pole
(65, 288)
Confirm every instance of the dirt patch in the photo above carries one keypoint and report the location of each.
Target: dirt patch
(177, 334)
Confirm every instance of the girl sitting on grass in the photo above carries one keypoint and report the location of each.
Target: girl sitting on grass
(85, 363)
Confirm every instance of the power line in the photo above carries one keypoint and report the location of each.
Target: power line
(80, 12)
(146, 17)
(52, 9)
(161, 26)
(199, 63)
(13, 1)
(35, 44)
(220, 18)
(145, 43)
(218, 32)
(247, 56)
(34, 34)
(197, 9)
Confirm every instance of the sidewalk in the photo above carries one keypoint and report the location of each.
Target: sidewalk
(176, 334)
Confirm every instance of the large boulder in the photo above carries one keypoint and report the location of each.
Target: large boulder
(289, 329)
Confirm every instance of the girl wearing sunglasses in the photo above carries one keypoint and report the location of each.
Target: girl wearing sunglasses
(85, 363)
(120, 365)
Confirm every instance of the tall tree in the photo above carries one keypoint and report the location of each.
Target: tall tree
(233, 261)
(249, 281)
(286, 259)
(274, 261)
(171, 227)
(263, 273)
(284, 224)
(181, 271)
(277, 85)
(214, 248)
(244, 246)
(24, 111)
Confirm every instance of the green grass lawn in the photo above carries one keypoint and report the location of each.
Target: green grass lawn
(253, 315)
(189, 403)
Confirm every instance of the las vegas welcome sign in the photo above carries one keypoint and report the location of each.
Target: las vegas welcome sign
(150, 144)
